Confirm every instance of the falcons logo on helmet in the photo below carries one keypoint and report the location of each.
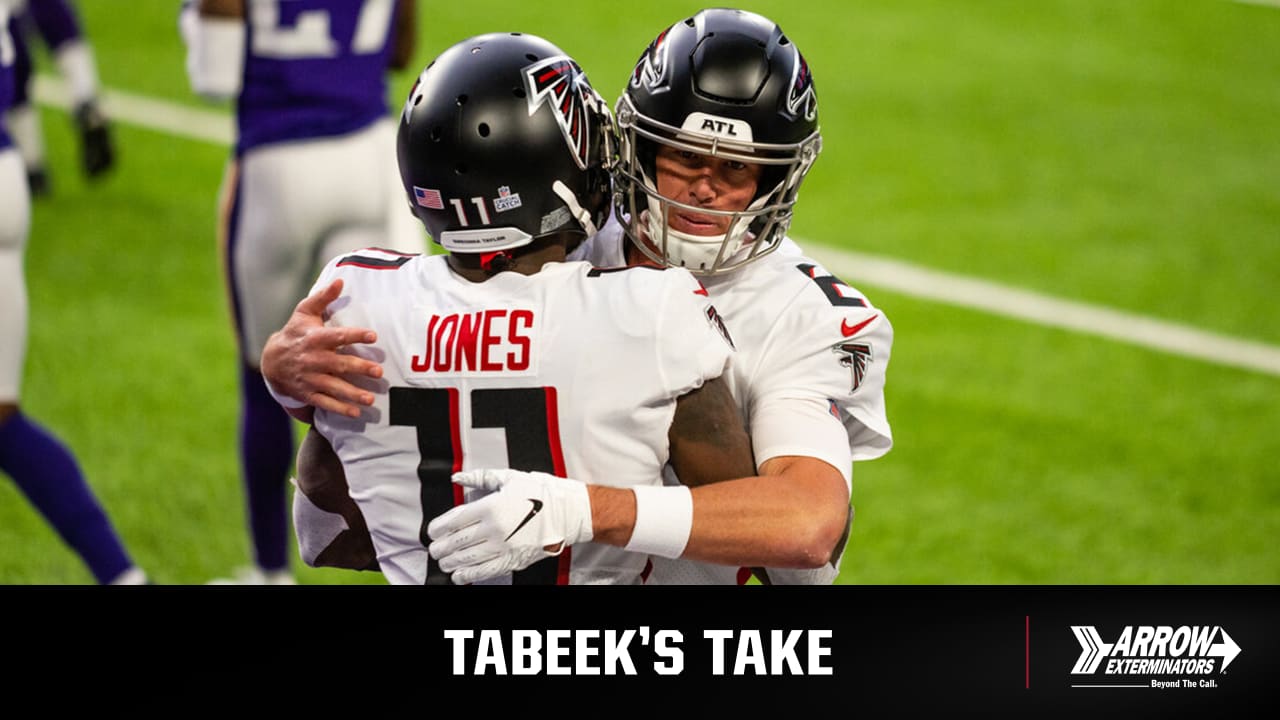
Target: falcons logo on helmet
(559, 82)
(802, 99)
(854, 356)
(651, 69)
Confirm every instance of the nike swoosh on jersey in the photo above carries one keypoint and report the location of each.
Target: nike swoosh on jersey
(537, 507)
(850, 331)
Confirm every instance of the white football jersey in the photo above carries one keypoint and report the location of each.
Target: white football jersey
(808, 374)
(571, 371)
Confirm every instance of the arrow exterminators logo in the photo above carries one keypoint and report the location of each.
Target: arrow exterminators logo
(1155, 650)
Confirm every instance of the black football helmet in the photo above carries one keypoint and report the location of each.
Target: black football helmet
(724, 83)
(502, 140)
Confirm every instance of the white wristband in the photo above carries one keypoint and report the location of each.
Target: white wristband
(664, 520)
(215, 55)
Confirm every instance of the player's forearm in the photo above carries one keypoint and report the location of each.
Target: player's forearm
(764, 521)
(793, 518)
(768, 521)
(330, 529)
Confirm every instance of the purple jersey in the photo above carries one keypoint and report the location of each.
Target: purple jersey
(55, 20)
(6, 74)
(313, 68)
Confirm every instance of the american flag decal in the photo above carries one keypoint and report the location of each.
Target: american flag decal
(854, 356)
(559, 82)
(428, 198)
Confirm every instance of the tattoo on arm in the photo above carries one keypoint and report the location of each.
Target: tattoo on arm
(708, 440)
(322, 478)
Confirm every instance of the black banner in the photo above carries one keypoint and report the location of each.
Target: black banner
(1149, 650)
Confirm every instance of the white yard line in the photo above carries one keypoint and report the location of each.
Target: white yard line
(160, 115)
(1264, 3)
(871, 270)
(858, 268)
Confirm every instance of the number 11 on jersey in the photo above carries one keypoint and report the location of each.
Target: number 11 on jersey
(529, 418)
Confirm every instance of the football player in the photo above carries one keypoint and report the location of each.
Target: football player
(56, 24)
(312, 176)
(718, 129)
(44, 469)
(500, 354)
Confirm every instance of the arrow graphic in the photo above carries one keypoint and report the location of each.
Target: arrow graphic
(1093, 649)
(1227, 649)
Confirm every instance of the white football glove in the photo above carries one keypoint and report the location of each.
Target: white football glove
(526, 517)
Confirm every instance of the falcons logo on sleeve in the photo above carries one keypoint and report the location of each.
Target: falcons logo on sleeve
(559, 82)
(855, 356)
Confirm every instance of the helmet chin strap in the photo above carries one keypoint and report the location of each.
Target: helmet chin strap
(581, 215)
(695, 252)
(698, 253)
(495, 262)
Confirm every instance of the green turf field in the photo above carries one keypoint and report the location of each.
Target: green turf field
(1123, 154)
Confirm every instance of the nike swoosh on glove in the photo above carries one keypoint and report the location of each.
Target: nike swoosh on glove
(512, 527)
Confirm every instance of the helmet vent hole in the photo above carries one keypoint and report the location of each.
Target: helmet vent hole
(460, 168)
(689, 22)
(530, 57)
(462, 100)
(418, 100)
(784, 41)
(484, 129)
(518, 92)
